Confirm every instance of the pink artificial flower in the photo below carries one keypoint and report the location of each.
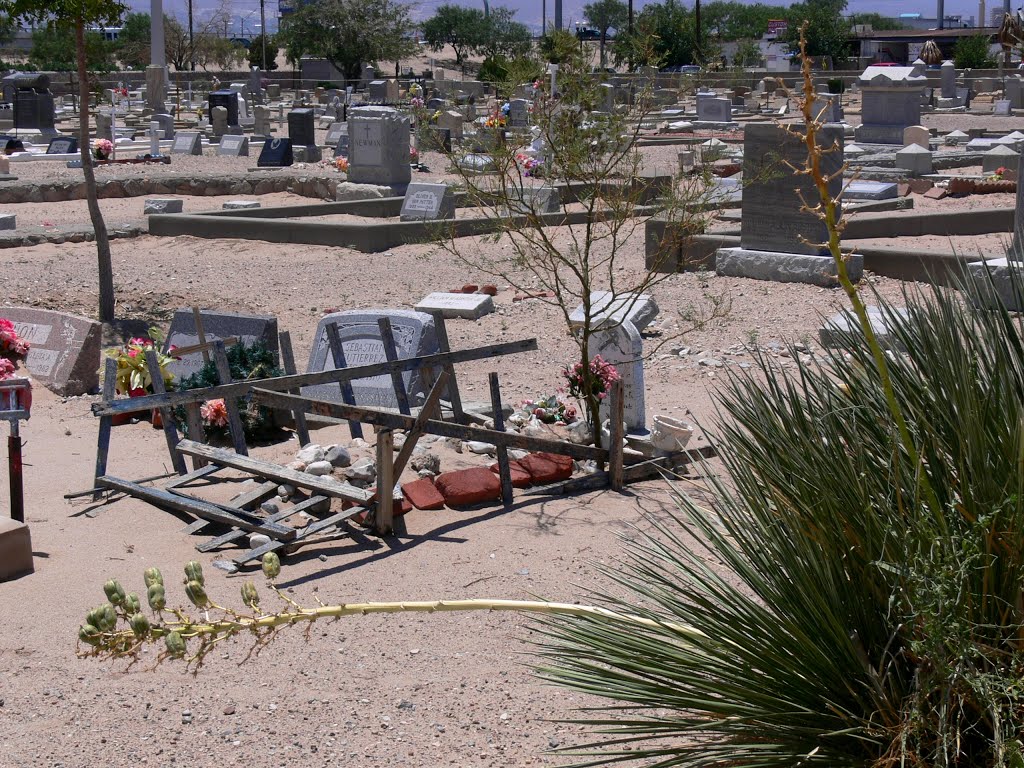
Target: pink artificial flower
(6, 369)
(215, 412)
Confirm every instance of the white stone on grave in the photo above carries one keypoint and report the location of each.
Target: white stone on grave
(240, 205)
(916, 134)
(162, 205)
(622, 346)
(914, 159)
(464, 306)
(639, 309)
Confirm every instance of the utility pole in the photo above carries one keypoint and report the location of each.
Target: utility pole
(263, 33)
(191, 45)
(630, 28)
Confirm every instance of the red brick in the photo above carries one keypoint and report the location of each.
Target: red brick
(470, 288)
(490, 290)
(464, 487)
(935, 193)
(423, 494)
(398, 508)
(520, 477)
(547, 467)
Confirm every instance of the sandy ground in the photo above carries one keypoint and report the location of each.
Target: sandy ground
(401, 690)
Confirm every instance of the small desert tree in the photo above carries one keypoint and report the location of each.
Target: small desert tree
(80, 14)
(604, 15)
(461, 28)
(587, 148)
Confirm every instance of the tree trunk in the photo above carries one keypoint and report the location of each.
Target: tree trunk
(604, 33)
(105, 267)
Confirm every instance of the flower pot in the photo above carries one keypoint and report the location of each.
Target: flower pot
(157, 419)
(670, 434)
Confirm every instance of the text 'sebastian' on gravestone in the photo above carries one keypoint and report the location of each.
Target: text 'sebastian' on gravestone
(361, 342)
(378, 146)
(64, 351)
(778, 240)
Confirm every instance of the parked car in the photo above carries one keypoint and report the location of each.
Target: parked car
(685, 69)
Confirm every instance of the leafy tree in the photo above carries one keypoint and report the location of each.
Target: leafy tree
(828, 31)
(729, 20)
(461, 28)
(974, 52)
(603, 15)
(77, 14)
(876, 20)
(748, 54)
(53, 50)
(210, 50)
(670, 31)
(349, 33)
(256, 52)
(133, 42)
(559, 46)
(504, 36)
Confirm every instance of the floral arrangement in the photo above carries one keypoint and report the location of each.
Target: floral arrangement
(497, 120)
(102, 149)
(415, 91)
(416, 102)
(999, 175)
(531, 166)
(601, 373)
(133, 377)
(341, 163)
(414, 156)
(215, 414)
(13, 349)
(550, 410)
(121, 92)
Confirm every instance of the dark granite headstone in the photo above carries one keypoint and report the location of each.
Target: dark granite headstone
(62, 145)
(11, 144)
(771, 215)
(301, 127)
(233, 146)
(64, 352)
(362, 345)
(227, 99)
(217, 325)
(186, 143)
(276, 153)
(334, 132)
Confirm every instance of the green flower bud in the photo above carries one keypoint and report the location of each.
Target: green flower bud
(156, 596)
(132, 604)
(140, 625)
(87, 633)
(271, 565)
(175, 645)
(196, 593)
(152, 576)
(250, 596)
(194, 572)
(107, 618)
(94, 617)
(114, 592)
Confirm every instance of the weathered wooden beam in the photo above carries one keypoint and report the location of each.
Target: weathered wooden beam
(288, 363)
(196, 474)
(323, 485)
(220, 359)
(504, 469)
(344, 385)
(414, 434)
(236, 534)
(106, 423)
(303, 534)
(383, 520)
(166, 415)
(443, 428)
(387, 337)
(617, 411)
(203, 509)
(112, 407)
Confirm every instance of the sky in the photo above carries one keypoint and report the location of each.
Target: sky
(247, 12)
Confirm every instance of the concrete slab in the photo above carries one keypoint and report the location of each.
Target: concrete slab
(836, 329)
(464, 306)
(783, 267)
(162, 205)
(1000, 279)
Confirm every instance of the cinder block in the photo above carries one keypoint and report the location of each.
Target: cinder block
(15, 550)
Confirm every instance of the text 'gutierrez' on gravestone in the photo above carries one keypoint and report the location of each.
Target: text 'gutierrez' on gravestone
(216, 325)
(64, 351)
(361, 342)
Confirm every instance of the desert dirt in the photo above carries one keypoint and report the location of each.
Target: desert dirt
(413, 690)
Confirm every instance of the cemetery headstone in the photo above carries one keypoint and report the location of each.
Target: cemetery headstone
(219, 120)
(462, 306)
(890, 101)
(361, 342)
(916, 134)
(948, 70)
(62, 145)
(383, 91)
(227, 99)
(871, 190)
(301, 127)
(639, 309)
(536, 200)
(714, 110)
(276, 153)
(428, 202)
(33, 102)
(104, 126)
(378, 146)
(233, 146)
(914, 159)
(451, 121)
(216, 325)
(261, 121)
(186, 143)
(162, 205)
(519, 113)
(622, 346)
(166, 124)
(1002, 107)
(779, 241)
(334, 133)
(1000, 156)
(64, 352)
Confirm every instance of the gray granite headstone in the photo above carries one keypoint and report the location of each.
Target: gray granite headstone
(216, 325)
(536, 200)
(428, 201)
(378, 146)
(714, 110)
(463, 306)
(301, 127)
(871, 190)
(771, 215)
(186, 143)
(519, 113)
(622, 346)
(948, 70)
(233, 146)
(361, 342)
(62, 145)
(334, 133)
(64, 351)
